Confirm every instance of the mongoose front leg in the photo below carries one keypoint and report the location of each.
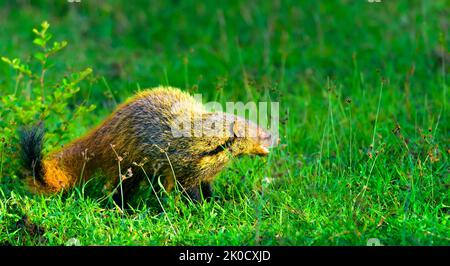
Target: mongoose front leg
(207, 190)
(201, 192)
(194, 194)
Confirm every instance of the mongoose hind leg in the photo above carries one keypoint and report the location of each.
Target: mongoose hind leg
(129, 188)
(169, 183)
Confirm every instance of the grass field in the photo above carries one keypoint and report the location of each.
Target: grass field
(364, 125)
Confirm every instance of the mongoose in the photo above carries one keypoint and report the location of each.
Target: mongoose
(139, 136)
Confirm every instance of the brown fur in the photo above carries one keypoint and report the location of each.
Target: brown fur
(140, 128)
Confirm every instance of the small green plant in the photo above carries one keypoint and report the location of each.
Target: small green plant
(34, 99)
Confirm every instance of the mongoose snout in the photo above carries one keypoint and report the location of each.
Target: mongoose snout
(258, 140)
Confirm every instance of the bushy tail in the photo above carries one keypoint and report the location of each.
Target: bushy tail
(31, 144)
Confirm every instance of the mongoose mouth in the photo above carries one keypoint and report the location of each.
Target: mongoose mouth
(263, 151)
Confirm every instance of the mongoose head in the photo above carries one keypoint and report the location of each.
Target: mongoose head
(250, 138)
(222, 131)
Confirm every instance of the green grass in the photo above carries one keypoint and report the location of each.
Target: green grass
(346, 73)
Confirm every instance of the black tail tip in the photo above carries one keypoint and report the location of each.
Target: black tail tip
(31, 144)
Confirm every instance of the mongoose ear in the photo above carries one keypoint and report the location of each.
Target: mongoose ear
(238, 128)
